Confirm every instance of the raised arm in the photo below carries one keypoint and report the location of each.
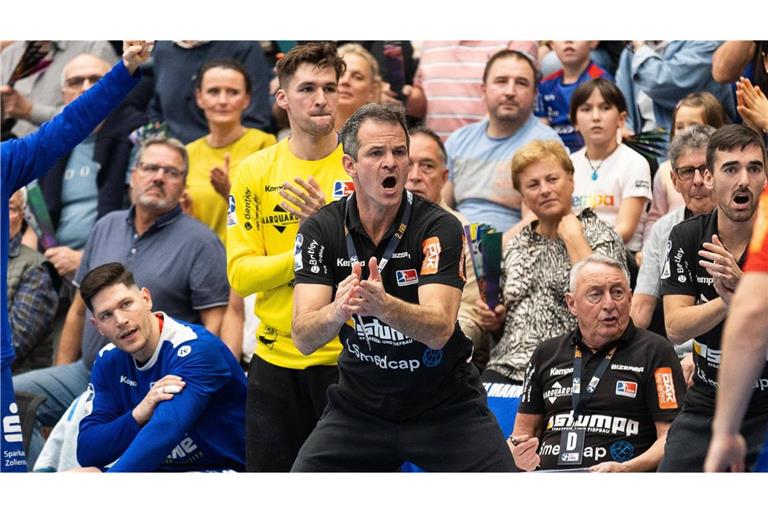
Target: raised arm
(730, 59)
(684, 319)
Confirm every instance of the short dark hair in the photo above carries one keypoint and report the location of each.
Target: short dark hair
(224, 64)
(505, 54)
(610, 92)
(101, 277)
(733, 136)
(423, 130)
(382, 113)
(321, 54)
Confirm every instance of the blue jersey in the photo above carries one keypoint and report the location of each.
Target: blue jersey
(554, 103)
(201, 428)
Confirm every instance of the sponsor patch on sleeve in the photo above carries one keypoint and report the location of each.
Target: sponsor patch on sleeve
(626, 388)
(231, 216)
(431, 249)
(407, 277)
(342, 188)
(298, 264)
(665, 388)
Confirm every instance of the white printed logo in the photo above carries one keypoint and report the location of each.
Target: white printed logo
(12, 425)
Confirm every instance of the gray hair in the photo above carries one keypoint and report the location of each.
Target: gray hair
(600, 259)
(690, 139)
(165, 141)
(387, 113)
(22, 192)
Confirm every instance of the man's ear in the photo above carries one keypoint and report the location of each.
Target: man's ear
(147, 298)
(569, 301)
(349, 165)
(281, 99)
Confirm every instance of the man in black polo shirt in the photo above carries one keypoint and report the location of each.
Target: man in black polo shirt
(602, 396)
(383, 269)
(704, 256)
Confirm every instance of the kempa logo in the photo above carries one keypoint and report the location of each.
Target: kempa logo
(272, 188)
(560, 371)
(280, 219)
(384, 362)
(126, 380)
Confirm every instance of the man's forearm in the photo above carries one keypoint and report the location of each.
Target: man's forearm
(743, 355)
(427, 324)
(311, 330)
(642, 309)
(684, 323)
(254, 274)
(648, 460)
(72, 333)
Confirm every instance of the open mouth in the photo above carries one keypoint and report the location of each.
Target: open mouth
(389, 182)
(127, 334)
(741, 198)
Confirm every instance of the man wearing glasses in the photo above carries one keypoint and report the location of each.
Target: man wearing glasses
(88, 182)
(704, 259)
(181, 258)
(688, 155)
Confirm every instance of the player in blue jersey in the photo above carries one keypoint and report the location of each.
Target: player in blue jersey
(165, 395)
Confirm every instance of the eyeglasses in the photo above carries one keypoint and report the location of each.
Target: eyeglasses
(687, 173)
(153, 168)
(75, 82)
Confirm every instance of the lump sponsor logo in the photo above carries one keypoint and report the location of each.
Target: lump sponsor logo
(298, 264)
(342, 188)
(384, 362)
(622, 451)
(280, 219)
(710, 355)
(431, 250)
(407, 277)
(626, 388)
(665, 388)
(231, 216)
(595, 423)
(379, 332)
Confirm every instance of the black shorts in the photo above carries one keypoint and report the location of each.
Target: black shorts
(282, 407)
(460, 434)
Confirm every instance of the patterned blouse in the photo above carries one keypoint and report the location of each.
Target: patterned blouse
(535, 274)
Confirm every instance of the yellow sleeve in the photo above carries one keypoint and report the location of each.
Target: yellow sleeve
(249, 268)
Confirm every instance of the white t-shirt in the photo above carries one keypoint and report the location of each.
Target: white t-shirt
(624, 173)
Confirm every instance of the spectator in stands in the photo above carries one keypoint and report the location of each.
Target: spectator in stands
(479, 185)
(223, 93)
(427, 177)
(603, 395)
(688, 157)
(165, 395)
(275, 191)
(31, 295)
(90, 181)
(37, 98)
(176, 68)
(695, 109)
(537, 261)
(447, 89)
(360, 83)
(609, 177)
(183, 260)
(753, 106)
(555, 90)
(704, 259)
(655, 75)
(734, 59)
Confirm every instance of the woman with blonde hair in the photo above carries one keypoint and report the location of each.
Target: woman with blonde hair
(360, 83)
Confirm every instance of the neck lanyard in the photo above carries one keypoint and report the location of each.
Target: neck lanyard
(576, 398)
(393, 241)
(391, 246)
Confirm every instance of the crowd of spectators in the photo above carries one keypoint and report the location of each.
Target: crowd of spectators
(199, 181)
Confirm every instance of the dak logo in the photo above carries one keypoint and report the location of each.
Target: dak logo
(231, 217)
(342, 188)
(431, 249)
(407, 277)
(665, 388)
(432, 358)
(184, 351)
(626, 388)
